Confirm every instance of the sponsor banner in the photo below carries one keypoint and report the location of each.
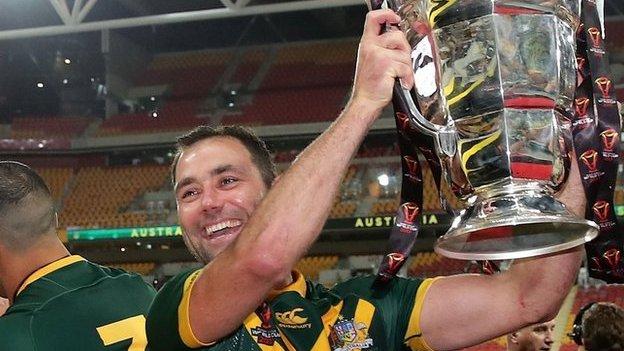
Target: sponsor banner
(355, 223)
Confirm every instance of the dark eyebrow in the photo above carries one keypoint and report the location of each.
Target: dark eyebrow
(215, 172)
(184, 182)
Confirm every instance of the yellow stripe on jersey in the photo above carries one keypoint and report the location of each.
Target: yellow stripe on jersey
(253, 321)
(329, 319)
(413, 336)
(184, 317)
(364, 313)
(331, 316)
(47, 269)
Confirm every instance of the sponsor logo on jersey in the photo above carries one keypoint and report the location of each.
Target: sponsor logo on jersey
(292, 319)
(347, 335)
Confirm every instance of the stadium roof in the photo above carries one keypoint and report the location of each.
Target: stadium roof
(30, 18)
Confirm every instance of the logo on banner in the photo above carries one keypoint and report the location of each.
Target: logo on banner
(604, 85)
(594, 36)
(347, 335)
(610, 139)
(411, 164)
(409, 211)
(596, 41)
(395, 261)
(613, 258)
(601, 210)
(581, 106)
(590, 160)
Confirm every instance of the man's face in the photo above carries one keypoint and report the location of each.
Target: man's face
(537, 337)
(217, 187)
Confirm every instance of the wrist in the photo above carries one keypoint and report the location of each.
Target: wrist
(363, 109)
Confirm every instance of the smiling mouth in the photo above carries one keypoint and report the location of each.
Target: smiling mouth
(222, 228)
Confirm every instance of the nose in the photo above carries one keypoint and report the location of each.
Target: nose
(211, 200)
(548, 340)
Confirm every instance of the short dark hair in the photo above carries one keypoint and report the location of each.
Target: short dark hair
(603, 327)
(260, 154)
(26, 205)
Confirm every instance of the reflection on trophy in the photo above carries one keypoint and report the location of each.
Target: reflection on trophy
(495, 81)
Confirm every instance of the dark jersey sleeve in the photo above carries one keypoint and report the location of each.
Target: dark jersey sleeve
(163, 329)
(15, 333)
(400, 304)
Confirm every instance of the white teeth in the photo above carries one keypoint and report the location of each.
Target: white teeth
(222, 225)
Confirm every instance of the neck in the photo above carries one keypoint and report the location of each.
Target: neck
(15, 267)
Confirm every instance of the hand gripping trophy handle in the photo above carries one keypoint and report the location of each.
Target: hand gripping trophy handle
(494, 82)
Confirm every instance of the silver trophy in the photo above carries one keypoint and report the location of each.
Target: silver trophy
(494, 82)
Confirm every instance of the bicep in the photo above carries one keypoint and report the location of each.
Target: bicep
(464, 310)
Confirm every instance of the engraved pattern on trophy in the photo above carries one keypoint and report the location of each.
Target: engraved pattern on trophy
(496, 79)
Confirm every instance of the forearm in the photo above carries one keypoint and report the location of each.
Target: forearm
(294, 211)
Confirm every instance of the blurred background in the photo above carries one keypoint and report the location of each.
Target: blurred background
(94, 93)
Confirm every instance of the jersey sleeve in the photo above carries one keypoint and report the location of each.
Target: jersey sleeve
(168, 324)
(400, 304)
(164, 331)
(413, 334)
(15, 333)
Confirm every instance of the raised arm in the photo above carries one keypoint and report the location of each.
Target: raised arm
(291, 216)
(464, 310)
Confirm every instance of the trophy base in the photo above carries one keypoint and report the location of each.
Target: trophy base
(515, 225)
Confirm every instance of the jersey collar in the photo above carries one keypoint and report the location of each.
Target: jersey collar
(298, 285)
(47, 269)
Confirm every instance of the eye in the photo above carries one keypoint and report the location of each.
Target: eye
(188, 193)
(228, 181)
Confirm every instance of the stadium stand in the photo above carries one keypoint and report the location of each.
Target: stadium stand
(45, 127)
(100, 196)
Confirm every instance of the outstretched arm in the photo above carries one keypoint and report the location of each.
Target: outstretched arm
(464, 310)
(292, 214)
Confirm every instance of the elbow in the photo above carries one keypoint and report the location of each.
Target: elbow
(266, 267)
(541, 308)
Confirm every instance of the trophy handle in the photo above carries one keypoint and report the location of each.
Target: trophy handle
(444, 135)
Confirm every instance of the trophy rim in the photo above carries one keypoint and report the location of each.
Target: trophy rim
(515, 210)
(590, 233)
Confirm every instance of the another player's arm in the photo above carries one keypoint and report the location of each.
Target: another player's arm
(293, 212)
(463, 310)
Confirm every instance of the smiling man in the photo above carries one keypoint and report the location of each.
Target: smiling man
(250, 230)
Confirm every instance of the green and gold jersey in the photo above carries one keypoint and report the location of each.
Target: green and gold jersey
(75, 305)
(352, 316)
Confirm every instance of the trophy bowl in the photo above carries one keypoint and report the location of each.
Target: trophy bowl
(494, 87)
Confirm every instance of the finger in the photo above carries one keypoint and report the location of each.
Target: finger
(398, 57)
(405, 74)
(376, 21)
(395, 40)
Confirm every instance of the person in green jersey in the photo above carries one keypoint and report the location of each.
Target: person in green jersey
(59, 301)
(250, 229)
